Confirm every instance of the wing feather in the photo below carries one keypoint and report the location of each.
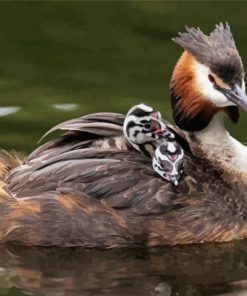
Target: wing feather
(79, 165)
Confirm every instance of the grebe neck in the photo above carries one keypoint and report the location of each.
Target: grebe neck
(216, 145)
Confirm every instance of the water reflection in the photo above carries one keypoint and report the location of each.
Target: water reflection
(185, 270)
(66, 107)
(7, 110)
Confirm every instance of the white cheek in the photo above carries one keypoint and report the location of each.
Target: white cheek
(206, 87)
(243, 85)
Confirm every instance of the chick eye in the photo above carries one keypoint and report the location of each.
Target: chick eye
(211, 78)
(147, 125)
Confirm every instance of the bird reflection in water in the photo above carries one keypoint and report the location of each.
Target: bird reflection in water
(210, 269)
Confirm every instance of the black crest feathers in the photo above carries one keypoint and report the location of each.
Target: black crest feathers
(216, 50)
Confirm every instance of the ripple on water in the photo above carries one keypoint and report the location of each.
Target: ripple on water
(7, 110)
(66, 107)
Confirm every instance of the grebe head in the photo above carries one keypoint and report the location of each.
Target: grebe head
(208, 78)
(143, 124)
(168, 161)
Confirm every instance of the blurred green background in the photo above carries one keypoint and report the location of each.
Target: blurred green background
(60, 60)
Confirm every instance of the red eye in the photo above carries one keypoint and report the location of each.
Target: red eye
(211, 78)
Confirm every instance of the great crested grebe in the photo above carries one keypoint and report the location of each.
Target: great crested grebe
(146, 132)
(91, 188)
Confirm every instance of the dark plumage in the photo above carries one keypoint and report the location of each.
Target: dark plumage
(90, 189)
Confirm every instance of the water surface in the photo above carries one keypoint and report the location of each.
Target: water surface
(210, 269)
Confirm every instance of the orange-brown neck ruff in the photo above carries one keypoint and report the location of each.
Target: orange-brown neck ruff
(191, 110)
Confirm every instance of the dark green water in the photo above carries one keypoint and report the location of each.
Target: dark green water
(59, 60)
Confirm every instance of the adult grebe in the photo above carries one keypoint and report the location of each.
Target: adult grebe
(90, 188)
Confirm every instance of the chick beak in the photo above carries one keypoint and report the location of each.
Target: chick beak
(236, 95)
(156, 126)
(174, 179)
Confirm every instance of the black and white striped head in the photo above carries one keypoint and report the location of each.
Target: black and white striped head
(168, 161)
(143, 124)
